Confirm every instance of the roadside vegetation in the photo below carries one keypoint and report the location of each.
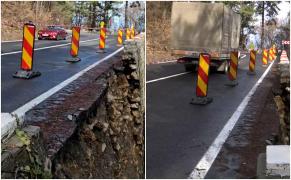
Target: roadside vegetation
(65, 13)
(42, 13)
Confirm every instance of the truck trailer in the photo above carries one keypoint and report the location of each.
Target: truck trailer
(199, 27)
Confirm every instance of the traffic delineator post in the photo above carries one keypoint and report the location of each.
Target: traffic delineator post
(274, 52)
(270, 55)
(284, 58)
(274, 49)
(252, 63)
(273, 55)
(202, 81)
(132, 34)
(128, 34)
(265, 57)
(119, 37)
(75, 44)
(26, 64)
(232, 72)
(102, 38)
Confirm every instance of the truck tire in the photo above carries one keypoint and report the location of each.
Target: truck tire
(190, 67)
(223, 67)
(226, 67)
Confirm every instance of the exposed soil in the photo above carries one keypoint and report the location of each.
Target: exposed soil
(56, 127)
(93, 127)
(158, 32)
(258, 123)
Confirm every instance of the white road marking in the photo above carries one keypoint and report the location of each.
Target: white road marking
(69, 36)
(241, 59)
(243, 56)
(48, 47)
(20, 112)
(208, 158)
(167, 77)
(13, 41)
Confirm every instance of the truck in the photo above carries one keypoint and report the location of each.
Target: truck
(200, 27)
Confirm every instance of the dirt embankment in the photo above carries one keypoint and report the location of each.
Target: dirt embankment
(158, 31)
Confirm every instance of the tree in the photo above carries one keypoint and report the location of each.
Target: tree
(271, 9)
(108, 9)
(283, 33)
(126, 15)
(81, 11)
(270, 31)
(246, 9)
(93, 13)
(41, 13)
(62, 12)
(136, 14)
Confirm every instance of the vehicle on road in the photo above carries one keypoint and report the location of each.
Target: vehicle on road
(198, 27)
(52, 32)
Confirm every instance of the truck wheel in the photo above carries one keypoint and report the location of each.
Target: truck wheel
(226, 67)
(223, 67)
(190, 67)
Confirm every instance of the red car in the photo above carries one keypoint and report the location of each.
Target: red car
(52, 32)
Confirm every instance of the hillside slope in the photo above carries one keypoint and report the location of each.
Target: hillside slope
(15, 13)
(158, 24)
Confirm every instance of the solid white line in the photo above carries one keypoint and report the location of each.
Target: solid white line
(21, 40)
(167, 77)
(60, 45)
(20, 112)
(13, 41)
(208, 158)
(15, 52)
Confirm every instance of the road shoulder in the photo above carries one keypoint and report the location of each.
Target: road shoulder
(238, 156)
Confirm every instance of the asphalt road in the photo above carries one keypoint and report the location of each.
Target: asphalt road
(50, 62)
(178, 133)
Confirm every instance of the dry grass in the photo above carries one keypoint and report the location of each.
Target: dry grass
(158, 32)
(15, 13)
